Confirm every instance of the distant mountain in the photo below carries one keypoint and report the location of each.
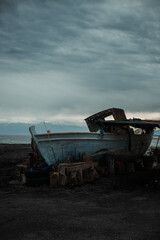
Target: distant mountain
(23, 128)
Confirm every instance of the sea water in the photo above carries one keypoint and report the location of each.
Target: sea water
(155, 141)
(15, 139)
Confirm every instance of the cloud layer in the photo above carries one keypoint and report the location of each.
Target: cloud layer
(70, 58)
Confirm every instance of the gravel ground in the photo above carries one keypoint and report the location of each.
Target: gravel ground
(119, 207)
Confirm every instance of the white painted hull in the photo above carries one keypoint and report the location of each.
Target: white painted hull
(55, 147)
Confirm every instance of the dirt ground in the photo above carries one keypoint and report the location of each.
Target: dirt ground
(118, 207)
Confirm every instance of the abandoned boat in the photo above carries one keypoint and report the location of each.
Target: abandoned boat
(125, 138)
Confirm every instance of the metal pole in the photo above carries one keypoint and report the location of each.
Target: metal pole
(50, 142)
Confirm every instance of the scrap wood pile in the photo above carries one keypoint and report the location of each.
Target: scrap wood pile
(74, 173)
(84, 170)
(87, 169)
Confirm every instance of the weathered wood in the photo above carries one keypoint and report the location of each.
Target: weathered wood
(77, 173)
(117, 113)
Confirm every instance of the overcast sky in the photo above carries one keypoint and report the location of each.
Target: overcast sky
(63, 60)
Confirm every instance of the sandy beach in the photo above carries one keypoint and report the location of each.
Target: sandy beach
(119, 207)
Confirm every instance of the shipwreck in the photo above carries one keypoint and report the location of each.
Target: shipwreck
(126, 139)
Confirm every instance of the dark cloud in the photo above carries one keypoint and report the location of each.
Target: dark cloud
(77, 57)
(8, 5)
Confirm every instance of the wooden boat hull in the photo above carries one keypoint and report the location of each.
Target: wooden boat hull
(63, 147)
